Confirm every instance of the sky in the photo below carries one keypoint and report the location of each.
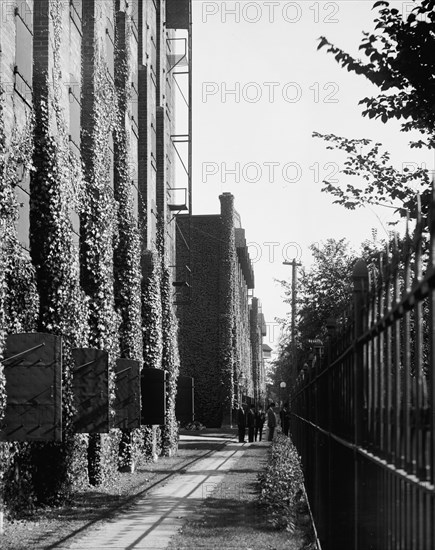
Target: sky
(260, 89)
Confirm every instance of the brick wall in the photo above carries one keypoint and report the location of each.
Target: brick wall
(147, 146)
(17, 106)
(215, 344)
(86, 29)
(199, 318)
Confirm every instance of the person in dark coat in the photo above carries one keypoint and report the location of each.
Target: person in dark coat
(250, 420)
(271, 421)
(241, 424)
(260, 418)
(285, 419)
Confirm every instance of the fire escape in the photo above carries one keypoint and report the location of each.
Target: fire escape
(179, 48)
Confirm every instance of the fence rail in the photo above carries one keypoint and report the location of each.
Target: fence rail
(363, 419)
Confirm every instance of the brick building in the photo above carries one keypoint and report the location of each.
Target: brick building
(51, 49)
(214, 318)
(258, 332)
(88, 138)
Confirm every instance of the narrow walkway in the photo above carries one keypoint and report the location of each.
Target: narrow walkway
(154, 519)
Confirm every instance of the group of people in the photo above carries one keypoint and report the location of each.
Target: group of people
(254, 420)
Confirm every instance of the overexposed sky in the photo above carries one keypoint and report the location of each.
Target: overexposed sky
(260, 88)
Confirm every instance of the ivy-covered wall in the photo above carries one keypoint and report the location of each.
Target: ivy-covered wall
(19, 300)
(56, 191)
(80, 258)
(258, 331)
(215, 345)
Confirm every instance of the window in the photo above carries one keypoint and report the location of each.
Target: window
(153, 60)
(135, 110)
(153, 141)
(24, 52)
(135, 18)
(26, 13)
(134, 104)
(75, 13)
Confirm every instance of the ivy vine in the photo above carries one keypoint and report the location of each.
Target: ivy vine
(170, 363)
(99, 238)
(57, 188)
(127, 253)
(19, 301)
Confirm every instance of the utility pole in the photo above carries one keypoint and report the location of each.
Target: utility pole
(294, 265)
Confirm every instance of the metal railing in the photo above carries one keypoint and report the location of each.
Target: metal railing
(363, 419)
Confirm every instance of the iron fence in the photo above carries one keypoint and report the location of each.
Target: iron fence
(363, 418)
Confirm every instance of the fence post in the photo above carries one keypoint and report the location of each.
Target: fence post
(360, 278)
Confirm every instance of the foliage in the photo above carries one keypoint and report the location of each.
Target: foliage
(56, 189)
(170, 363)
(227, 359)
(100, 236)
(147, 441)
(91, 296)
(19, 300)
(152, 314)
(383, 183)
(281, 484)
(160, 333)
(152, 334)
(152, 442)
(16, 477)
(99, 219)
(325, 288)
(401, 63)
(103, 457)
(127, 272)
(324, 291)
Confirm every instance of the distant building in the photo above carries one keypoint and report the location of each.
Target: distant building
(258, 331)
(267, 352)
(214, 319)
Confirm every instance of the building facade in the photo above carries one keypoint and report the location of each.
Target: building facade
(88, 169)
(258, 332)
(214, 319)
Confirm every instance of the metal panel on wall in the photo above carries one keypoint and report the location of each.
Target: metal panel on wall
(153, 391)
(184, 403)
(33, 372)
(91, 390)
(127, 390)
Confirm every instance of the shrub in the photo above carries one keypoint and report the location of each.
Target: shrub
(281, 485)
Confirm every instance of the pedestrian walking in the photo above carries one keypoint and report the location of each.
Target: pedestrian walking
(285, 418)
(250, 421)
(260, 418)
(271, 421)
(241, 424)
